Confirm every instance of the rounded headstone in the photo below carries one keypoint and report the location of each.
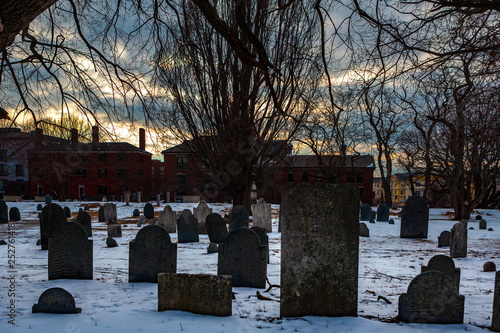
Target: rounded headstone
(14, 214)
(489, 266)
(86, 207)
(372, 221)
(479, 217)
(471, 228)
(56, 300)
(391, 221)
(212, 248)
(363, 230)
(136, 213)
(100, 215)
(490, 229)
(39, 207)
(238, 218)
(39, 242)
(48, 199)
(149, 211)
(67, 211)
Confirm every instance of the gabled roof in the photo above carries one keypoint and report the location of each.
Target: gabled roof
(85, 147)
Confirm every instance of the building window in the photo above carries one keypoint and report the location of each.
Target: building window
(152, 169)
(350, 176)
(319, 176)
(401, 192)
(402, 184)
(290, 176)
(333, 174)
(82, 173)
(305, 176)
(19, 170)
(141, 158)
(182, 163)
(161, 169)
(39, 190)
(3, 155)
(181, 184)
(102, 157)
(102, 173)
(359, 176)
(102, 189)
(3, 170)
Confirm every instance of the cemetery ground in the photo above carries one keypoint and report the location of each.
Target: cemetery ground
(387, 264)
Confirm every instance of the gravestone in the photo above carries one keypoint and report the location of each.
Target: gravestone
(114, 230)
(444, 239)
(4, 214)
(279, 221)
(139, 196)
(111, 242)
(158, 200)
(212, 248)
(149, 211)
(187, 228)
(14, 214)
(151, 253)
(374, 214)
(363, 230)
(391, 221)
(482, 225)
(458, 241)
(67, 212)
(39, 207)
(100, 215)
(319, 250)
(56, 300)
(51, 217)
(216, 228)
(383, 213)
(263, 237)
(432, 298)
(414, 218)
(168, 219)
(495, 318)
(48, 199)
(127, 199)
(261, 214)
(238, 218)
(141, 220)
(85, 221)
(372, 221)
(70, 253)
(86, 208)
(489, 266)
(446, 265)
(479, 217)
(197, 293)
(136, 213)
(110, 214)
(200, 213)
(366, 213)
(113, 197)
(104, 199)
(134, 197)
(244, 258)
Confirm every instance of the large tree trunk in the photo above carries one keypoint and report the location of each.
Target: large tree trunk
(243, 197)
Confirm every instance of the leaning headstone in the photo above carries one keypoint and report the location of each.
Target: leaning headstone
(216, 228)
(482, 225)
(39, 207)
(85, 221)
(212, 248)
(100, 215)
(201, 293)
(136, 213)
(316, 277)
(264, 238)
(48, 199)
(238, 218)
(432, 298)
(151, 253)
(67, 212)
(111, 242)
(114, 230)
(366, 213)
(142, 220)
(444, 239)
(3, 242)
(489, 266)
(109, 212)
(70, 253)
(51, 217)
(415, 218)
(168, 219)
(244, 258)
(200, 213)
(458, 241)
(149, 211)
(495, 318)
(261, 214)
(187, 228)
(14, 214)
(443, 264)
(383, 212)
(363, 230)
(4, 213)
(56, 300)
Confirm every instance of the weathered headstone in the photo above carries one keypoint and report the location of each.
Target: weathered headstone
(216, 228)
(366, 213)
(203, 294)
(200, 213)
(489, 266)
(127, 199)
(244, 258)
(432, 298)
(212, 248)
(104, 199)
(263, 237)
(446, 265)
(110, 214)
(114, 230)
(14, 214)
(168, 219)
(139, 196)
(111, 242)
(319, 250)
(415, 218)
(39, 207)
(458, 241)
(151, 253)
(391, 221)
(86, 208)
(56, 300)
(149, 211)
(136, 213)
(383, 212)
(4, 213)
(158, 200)
(479, 217)
(85, 221)
(48, 199)
(444, 239)
(482, 225)
(238, 218)
(67, 212)
(261, 214)
(51, 217)
(187, 228)
(70, 253)
(100, 215)
(363, 230)
(495, 318)
(142, 220)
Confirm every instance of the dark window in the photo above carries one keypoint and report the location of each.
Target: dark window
(102, 157)
(182, 163)
(102, 189)
(3, 170)
(181, 184)
(333, 175)
(82, 173)
(319, 176)
(361, 193)
(122, 173)
(305, 176)
(350, 176)
(19, 170)
(3, 155)
(290, 176)
(141, 158)
(102, 173)
(359, 176)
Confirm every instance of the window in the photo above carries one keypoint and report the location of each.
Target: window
(19, 170)
(161, 169)
(418, 184)
(402, 192)
(181, 184)
(3, 170)
(102, 189)
(141, 158)
(39, 190)
(402, 184)
(102, 173)
(152, 169)
(359, 176)
(2, 187)
(3, 155)
(290, 176)
(305, 176)
(350, 176)
(334, 176)
(182, 163)
(319, 176)
(82, 173)
(122, 173)
(102, 157)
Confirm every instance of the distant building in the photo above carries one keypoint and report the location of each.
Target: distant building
(400, 187)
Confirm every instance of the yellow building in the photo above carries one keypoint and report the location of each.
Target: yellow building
(400, 187)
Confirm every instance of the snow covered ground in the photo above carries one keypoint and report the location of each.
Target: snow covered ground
(109, 303)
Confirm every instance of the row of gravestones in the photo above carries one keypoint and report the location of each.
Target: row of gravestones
(7, 215)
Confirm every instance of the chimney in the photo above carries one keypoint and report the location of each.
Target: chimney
(95, 137)
(74, 136)
(142, 138)
(38, 137)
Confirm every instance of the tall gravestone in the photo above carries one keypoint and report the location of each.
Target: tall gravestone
(67, 212)
(110, 213)
(216, 228)
(167, 220)
(56, 300)
(14, 214)
(244, 258)
(238, 218)
(149, 211)
(319, 250)
(85, 221)
(482, 225)
(4, 213)
(70, 253)
(444, 239)
(383, 213)
(200, 213)
(151, 253)
(446, 265)
(363, 230)
(100, 215)
(366, 213)
(458, 241)
(414, 218)
(261, 214)
(187, 228)
(51, 217)
(432, 298)
(495, 319)
(158, 200)
(263, 237)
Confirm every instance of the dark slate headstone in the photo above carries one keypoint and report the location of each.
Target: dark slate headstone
(238, 218)
(39, 207)
(391, 221)
(363, 230)
(495, 318)
(134, 197)
(444, 239)
(100, 215)
(489, 266)
(279, 221)
(4, 213)
(56, 300)
(415, 218)
(264, 238)
(212, 248)
(366, 213)
(319, 250)
(149, 211)
(14, 214)
(383, 213)
(67, 212)
(187, 228)
(70, 253)
(3, 242)
(85, 221)
(372, 221)
(86, 207)
(110, 214)
(114, 230)
(458, 241)
(479, 217)
(136, 213)
(48, 199)
(244, 258)
(201, 293)
(216, 228)
(374, 214)
(151, 253)
(446, 265)
(51, 217)
(111, 242)
(432, 298)
(482, 225)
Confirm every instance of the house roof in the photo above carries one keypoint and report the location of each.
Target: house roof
(102, 147)
(311, 161)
